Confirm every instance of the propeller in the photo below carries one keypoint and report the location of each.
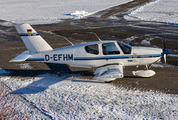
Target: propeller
(165, 51)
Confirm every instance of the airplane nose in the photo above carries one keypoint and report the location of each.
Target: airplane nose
(166, 52)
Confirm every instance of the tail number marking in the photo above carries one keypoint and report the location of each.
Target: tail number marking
(59, 57)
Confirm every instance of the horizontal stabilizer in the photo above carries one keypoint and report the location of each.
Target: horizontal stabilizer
(22, 57)
(108, 73)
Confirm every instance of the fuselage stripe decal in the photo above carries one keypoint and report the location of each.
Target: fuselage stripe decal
(103, 57)
(28, 34)
(117, 57)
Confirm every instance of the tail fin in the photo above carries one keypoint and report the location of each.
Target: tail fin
(33, 41)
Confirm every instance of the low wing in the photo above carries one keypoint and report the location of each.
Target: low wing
(109, 73)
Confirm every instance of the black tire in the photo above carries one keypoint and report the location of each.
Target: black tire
(108, 81)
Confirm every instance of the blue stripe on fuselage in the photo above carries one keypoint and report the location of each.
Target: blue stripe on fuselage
(104, 57)
(28, 34)
(117, 57)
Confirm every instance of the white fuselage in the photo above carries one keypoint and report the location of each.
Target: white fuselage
(80, 56)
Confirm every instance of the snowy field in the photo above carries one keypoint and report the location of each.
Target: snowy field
(67, 97)
(50, 11)
(165, 11)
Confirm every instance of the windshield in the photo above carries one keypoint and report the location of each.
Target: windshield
(110, 49)
(125, 48)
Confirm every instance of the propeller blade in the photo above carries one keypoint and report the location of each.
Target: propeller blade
(165, 58)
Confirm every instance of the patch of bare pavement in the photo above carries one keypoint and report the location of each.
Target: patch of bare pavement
(108, 25)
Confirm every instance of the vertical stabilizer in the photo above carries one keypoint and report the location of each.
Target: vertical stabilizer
(33, 41)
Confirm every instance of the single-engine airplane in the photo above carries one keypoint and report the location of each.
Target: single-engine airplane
(107, 57)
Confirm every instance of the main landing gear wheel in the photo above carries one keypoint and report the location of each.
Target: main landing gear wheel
(108, 81)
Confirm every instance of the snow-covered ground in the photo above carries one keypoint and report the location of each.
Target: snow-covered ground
(61, 97)
(50, 11)
(160, 10)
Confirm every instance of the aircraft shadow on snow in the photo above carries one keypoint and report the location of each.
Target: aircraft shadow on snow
(63, 72)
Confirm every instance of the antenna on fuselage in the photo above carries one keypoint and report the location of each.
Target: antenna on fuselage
(98, 37)
(69, 41)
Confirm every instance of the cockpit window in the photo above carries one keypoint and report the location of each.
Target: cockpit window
(125, 48)
(110, 49)
(93, 49)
